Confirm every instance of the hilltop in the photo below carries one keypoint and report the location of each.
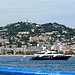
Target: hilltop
(36, 29)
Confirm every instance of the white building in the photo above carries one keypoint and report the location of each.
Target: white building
(32, 30)
(23, 33)
(4, 40)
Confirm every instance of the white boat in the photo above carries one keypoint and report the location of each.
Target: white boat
(49, 55)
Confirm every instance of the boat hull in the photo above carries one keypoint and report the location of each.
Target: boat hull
(51, 58)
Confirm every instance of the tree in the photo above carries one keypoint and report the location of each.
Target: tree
(34, 43)
(19, 44)
(0, 44)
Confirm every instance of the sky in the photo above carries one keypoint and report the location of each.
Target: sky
(38, 11)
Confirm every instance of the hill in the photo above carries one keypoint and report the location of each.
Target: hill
(26, 29)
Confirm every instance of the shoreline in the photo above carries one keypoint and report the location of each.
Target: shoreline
(29, 55)
(16, 55)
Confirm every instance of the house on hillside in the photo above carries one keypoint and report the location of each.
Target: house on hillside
(69, 49)
(37, 38)
(4, 40)
(59, 46)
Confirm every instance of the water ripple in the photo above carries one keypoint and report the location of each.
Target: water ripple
(49, 65)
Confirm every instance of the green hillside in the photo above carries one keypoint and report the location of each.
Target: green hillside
(13, 29)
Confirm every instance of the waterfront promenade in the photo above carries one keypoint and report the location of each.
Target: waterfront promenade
(16, 55)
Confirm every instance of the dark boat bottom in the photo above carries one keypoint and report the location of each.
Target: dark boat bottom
(50, 58)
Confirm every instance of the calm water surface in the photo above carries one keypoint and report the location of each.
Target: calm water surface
(49, 65)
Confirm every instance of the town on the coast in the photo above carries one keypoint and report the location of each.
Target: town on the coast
(18, 38)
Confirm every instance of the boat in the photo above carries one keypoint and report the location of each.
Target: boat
(49, 55)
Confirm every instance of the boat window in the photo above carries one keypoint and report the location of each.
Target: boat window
(49, 53)
(45, 56)
(55, 53)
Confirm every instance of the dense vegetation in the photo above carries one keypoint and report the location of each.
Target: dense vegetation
(13, 29)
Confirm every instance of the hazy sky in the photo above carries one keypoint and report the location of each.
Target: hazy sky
(38, 11)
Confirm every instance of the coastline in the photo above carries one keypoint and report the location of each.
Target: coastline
(73, 56)
(16, 55)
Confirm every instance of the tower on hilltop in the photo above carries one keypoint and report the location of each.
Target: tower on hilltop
(27, 22)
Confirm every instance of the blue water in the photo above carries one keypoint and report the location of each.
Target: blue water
(48, 65)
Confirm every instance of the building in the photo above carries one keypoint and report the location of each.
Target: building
(59, 46)
(37, 38)
(35, 49)
(49, 33)
(32, 30)
(64, 31)
(22, 33)
(69, 49)
(4, 40)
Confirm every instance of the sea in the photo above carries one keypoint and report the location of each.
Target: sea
(20, 62)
